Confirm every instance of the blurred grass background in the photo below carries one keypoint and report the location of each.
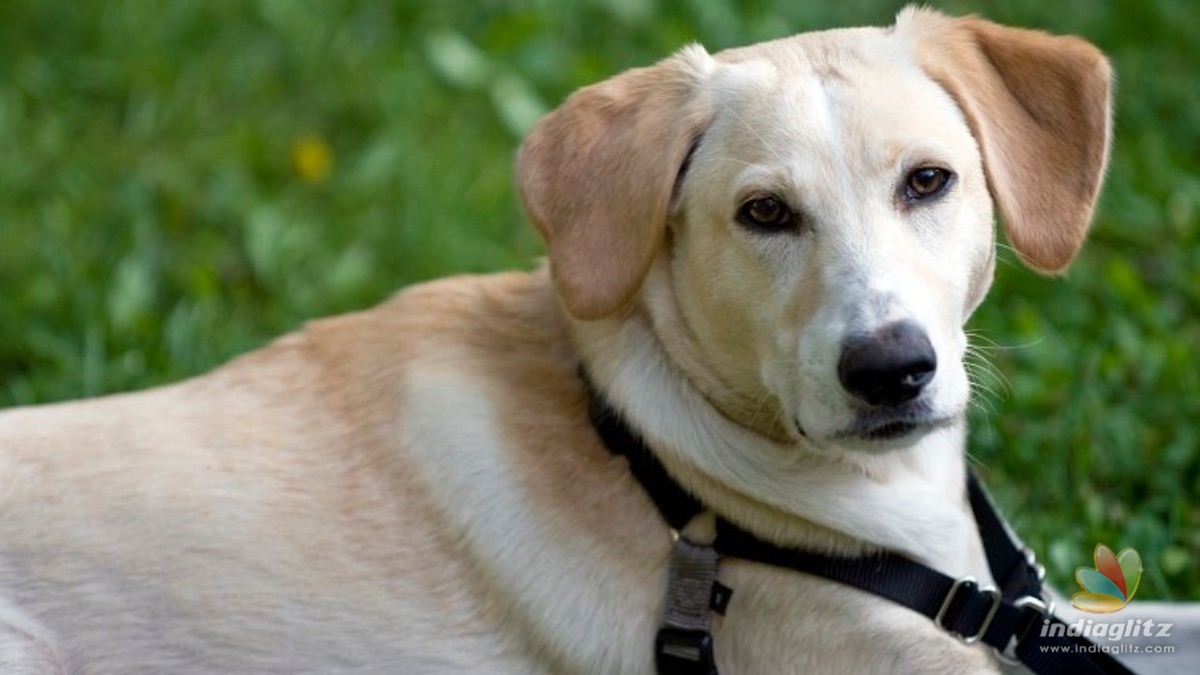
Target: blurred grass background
(182, 180)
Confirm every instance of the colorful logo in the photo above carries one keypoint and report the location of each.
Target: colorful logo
(1111, 585)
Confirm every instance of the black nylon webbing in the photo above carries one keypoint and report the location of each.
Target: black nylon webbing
(889, 575)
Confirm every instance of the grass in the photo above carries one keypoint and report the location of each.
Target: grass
(181, 181)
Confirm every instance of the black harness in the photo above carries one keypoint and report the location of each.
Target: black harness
(1014, 619)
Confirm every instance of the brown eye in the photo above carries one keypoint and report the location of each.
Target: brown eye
(765, 213)
(926, 182)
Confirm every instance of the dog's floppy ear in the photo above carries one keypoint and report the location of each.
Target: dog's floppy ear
(1039, 106)
(597, 177)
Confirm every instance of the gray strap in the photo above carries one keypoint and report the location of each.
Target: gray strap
(690, 585)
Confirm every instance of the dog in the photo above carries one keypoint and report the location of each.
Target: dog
(762, 259)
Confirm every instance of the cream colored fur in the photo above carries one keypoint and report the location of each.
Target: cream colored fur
(416, 488)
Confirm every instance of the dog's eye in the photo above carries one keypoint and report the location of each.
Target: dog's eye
(926, 182)
(765, 213)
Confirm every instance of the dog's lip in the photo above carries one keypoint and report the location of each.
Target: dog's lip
(888, 431)
(893, 423)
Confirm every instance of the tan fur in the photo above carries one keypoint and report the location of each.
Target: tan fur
(417, 488)
(624, 139)
(1039, 105)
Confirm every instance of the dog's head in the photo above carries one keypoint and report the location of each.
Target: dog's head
(809, 221)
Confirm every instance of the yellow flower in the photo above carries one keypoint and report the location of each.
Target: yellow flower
(312, 158)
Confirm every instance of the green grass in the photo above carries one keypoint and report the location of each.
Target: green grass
(155, 220)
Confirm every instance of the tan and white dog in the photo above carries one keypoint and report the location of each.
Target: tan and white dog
(764, 258)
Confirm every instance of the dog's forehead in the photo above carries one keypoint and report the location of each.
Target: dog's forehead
(825, 52)
(807, 90)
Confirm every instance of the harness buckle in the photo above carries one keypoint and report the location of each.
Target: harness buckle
(1031, 561)
(684, 652)
(1043, 607)
(969, 583)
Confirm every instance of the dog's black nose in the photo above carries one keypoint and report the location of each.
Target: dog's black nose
(889, 367)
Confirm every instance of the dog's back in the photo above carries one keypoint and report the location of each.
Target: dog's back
(268, 513)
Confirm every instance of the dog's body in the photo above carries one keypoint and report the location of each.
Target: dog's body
(450, 503)
(418, 487)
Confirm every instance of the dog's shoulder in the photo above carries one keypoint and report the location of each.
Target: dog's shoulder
(479, 318)
(337, 384)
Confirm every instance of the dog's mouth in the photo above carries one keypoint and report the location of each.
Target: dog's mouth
(893, 424)
(881, 429)
(889, 431)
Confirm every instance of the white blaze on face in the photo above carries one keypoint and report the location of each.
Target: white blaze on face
(770, 311)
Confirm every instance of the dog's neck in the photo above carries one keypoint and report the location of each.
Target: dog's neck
(842, 502)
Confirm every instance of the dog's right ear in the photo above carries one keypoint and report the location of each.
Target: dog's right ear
(597, 177)
(1040, 107)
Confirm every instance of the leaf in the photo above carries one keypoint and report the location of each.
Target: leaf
(458, 60)
(516, 103)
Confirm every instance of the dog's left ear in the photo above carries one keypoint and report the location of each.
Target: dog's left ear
(1039, 106)
(597, 177)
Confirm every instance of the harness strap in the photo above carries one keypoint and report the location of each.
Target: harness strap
(1011, 563)
(1014, 619)
(1019, 628)
(684, 644)
(676, 505)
